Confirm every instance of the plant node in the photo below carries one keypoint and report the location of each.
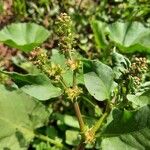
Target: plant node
(73, 92)
(73, 64)
(89, 136)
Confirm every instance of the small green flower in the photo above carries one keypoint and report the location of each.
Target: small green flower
(40, 59)
(64, 30)
(55, 71)
(89, 136)
(3, 78)
(73, 93)
(73, 64)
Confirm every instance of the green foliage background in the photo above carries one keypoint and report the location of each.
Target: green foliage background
(111, 42)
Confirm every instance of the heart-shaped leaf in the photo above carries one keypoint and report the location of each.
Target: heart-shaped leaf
(20, 115)
(24, 36)
(130, 129)
(36, 85)
(98, 79)
(129, 36)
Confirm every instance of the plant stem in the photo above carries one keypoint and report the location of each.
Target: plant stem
(76, 106)
(99, 123)
(79, 116)
(47, 139)
(63, 82)
(81, 146)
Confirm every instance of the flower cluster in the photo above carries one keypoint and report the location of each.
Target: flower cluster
(89, 136)
(39, 56)
(137, 70)
(73, 64)
(64, 29)
(73, 93)
(139, 65)
(55, 71)
(40, 59)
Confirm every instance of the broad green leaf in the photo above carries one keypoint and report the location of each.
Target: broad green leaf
(98, 79)
(68, 120)
(125, 121)
(140, 100)
(73, 137)
(129, 36)
(24, 36)
(71, 121)
(36, 85)
(20, 115)
(133, 141)
(129, 130)
(27, 66)
(99, 34)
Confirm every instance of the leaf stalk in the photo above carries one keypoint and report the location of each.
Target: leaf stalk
(99, 123)
(47, 139)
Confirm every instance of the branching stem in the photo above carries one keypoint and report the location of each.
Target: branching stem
(61, 80)
(99, 123)
(47, 139)
(81, 146)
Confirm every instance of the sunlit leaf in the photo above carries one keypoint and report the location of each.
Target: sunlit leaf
(24, 36)
(36, 85)
(20, 115)
(128, 129)
(129, 36)
(98, 79)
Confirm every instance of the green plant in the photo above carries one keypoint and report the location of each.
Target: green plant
(24, 36)
(19, 8)
(38, 108)
(1, 6)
